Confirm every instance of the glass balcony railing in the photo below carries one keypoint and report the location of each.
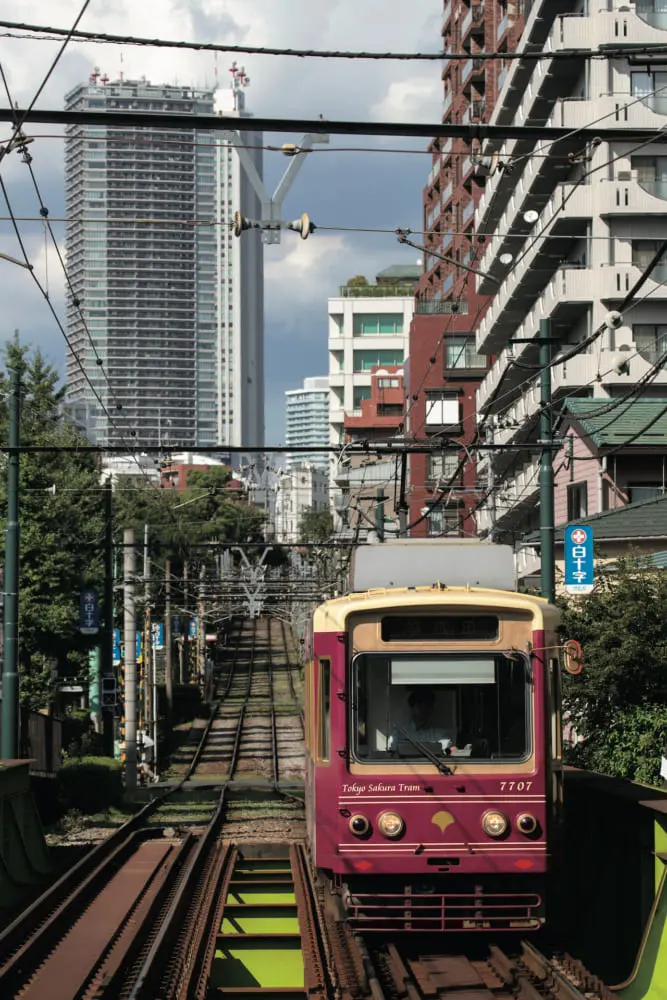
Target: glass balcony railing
(446, 14)
(657, 188)
(654, 12)
(447, 103)
(502, 76)
(502, 27)
(465, 24)
(467, 70)
(447, 239)
(468, 212)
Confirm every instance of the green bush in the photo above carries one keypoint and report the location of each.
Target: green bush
(90, 784)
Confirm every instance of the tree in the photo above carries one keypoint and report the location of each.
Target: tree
(358, 281)
(617, 704)
(315, 525)
(61, 530)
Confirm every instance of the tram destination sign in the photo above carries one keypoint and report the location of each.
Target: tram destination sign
(579, 567)
(439, 628)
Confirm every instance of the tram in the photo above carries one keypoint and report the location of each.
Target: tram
(434, 776)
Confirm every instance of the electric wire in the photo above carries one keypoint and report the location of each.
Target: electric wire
(537, 54)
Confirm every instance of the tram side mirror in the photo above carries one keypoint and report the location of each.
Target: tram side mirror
(572, 657)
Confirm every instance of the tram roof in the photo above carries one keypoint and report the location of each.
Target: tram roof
(332, 616)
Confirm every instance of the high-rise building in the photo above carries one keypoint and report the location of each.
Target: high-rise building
(445, 368)
(307, 421)
(586, 222)
(165, 311)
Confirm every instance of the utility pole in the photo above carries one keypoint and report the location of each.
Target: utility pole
(130, 636)
(379, 514)
(185, 628)
(547, 560)
(107, 633)
(10, 673)
(168, 662)
(201, 629)
(491, 485)
(146, 659)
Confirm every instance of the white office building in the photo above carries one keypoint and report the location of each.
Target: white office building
(303, 487)
(369, 327)
(307, 421)
(580, 222)
(165, 315)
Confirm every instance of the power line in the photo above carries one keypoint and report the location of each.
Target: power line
(536, 54)
(324, 126)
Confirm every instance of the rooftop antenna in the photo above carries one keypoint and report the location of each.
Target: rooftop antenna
(240, 81)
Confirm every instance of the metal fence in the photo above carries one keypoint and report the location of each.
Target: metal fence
(40, 740)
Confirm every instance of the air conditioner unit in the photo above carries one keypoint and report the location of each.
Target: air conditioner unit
(624, 175)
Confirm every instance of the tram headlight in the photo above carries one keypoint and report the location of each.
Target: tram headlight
(359, 825)
(494, 823)
(391, 825)
(526, 823)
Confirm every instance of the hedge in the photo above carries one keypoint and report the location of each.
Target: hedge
(90, 784)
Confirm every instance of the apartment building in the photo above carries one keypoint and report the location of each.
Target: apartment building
(307, 421)
(368, 328)
(359, 478)
(445, 369)
(164, 317)
(580, 222)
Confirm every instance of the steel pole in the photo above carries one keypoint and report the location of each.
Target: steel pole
(168, 639)
(130, 635)
(547, 554)
(10, 674)
(379, 514)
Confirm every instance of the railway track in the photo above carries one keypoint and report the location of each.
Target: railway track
(98, 931)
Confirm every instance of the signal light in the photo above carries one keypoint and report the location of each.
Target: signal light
(526, 823)
(359, 825)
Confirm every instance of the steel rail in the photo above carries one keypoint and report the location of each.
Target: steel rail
(272, 710)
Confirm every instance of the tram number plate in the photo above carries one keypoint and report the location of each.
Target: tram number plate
(515, 786)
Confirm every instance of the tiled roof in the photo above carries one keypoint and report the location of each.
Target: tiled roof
(647, 519)
(609, 428)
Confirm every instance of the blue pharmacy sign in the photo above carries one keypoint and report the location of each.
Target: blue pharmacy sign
(158, 636)
(116, 646)
(89, 612)
(579, 569)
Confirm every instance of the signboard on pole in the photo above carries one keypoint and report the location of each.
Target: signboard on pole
(116, 646)
(138, 647)
(193, 628)
(176, 625)
(579, 568)
(158, 636)
(89, 612)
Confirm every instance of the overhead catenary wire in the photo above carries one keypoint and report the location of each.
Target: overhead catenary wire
(536, 54)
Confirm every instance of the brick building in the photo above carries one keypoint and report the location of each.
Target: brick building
(379, 418)
(444, 369)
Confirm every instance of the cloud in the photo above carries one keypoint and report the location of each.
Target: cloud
(372, 190)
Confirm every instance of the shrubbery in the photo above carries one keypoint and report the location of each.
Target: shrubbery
(90, 784)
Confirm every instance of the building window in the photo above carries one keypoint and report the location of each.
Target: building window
(461, 353)
(442, 466)
(442, 408)
(645, 491)
(650, 340)
(577, 501)
(389, 383)
(372, 324)
(652, 172)
(390, 410)
(360, 392)
(444, 520)
(652, 87)
(365, 360)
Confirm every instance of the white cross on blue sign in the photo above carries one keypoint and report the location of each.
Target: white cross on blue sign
(579, 568)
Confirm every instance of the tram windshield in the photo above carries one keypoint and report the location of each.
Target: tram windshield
(457, 707)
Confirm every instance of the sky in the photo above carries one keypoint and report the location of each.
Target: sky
(371, 189)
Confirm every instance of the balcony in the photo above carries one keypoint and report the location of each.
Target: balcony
(473, 18)
(468, 212)
(474, 113)
(447, 239)
(447, 193)
(446, 15)
(503, 26)
(466, 168)
(520, 494)
(654, 12)
(447, 103)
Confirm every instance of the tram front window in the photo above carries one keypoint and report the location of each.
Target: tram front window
(467, 707)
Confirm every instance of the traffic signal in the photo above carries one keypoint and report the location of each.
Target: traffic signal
(109, 693)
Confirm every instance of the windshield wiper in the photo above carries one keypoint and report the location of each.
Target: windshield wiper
(433, 758)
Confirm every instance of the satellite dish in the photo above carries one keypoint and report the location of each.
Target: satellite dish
(531, 216)
(506, 259)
